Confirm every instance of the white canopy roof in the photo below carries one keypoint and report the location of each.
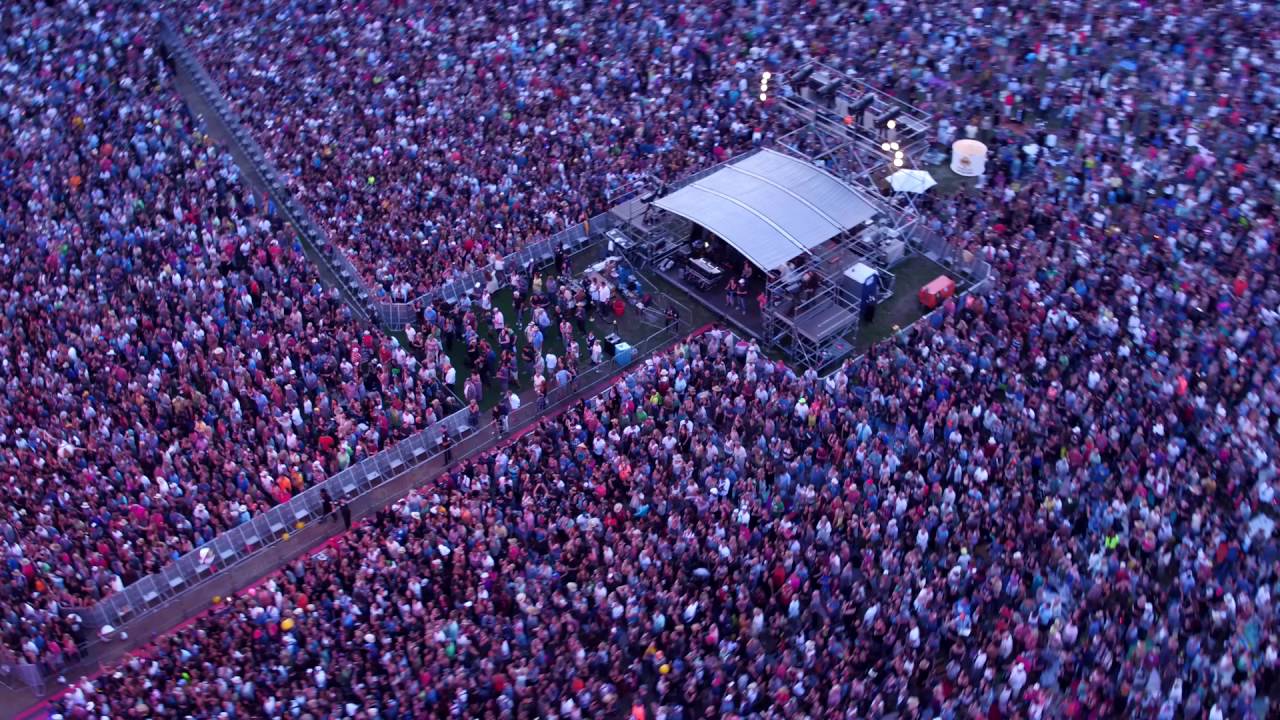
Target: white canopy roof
(911, 181)
(770, 207)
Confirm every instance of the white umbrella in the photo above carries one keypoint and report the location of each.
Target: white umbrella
(911, 181)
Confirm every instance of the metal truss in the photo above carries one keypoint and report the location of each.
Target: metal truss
(843, 126)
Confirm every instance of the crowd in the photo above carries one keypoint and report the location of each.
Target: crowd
(524, 324)
(427, 138)
(718, 537)
(1055, 498)
(171, 364)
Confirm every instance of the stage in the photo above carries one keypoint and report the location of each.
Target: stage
(817, 259)
(899, 311)
(748, 319)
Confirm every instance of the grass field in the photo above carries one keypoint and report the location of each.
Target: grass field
(629, 327)
(903, 308)
(898, 312)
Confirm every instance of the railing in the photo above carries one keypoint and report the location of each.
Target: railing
(216, 558)
(932, 245)
(265, 529)
(230, 548)
(13, 675)
(334, 260)
(979, 273)
(364, 300)
(573, 238)
(391, 315)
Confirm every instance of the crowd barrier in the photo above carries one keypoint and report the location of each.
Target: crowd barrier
(228, 549)
(974, 270)
(365, 300)
(573, 239)
(335, 261)
(237, 544)
(24, 674)
(243, 541)
(969, 268)
(265, 529)
(215, 558)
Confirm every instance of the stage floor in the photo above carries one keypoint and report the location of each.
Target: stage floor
(747, 319)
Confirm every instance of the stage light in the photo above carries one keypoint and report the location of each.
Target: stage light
(764, 97)
(885, 147)
(893, 146)
(888, 119)
(897, 155)
(897, 162)
(802, 75)
(861, 105)
(767, 75)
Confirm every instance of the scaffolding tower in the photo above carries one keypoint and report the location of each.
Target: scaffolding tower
(809, 313)
(856, 132)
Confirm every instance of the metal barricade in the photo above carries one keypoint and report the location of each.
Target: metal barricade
(208, 561)
(212, 559)
(365, 300)
(573, 237)
(978, 272)
(24, 674)
(352, 284)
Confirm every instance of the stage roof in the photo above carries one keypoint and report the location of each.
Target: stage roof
(770, 207)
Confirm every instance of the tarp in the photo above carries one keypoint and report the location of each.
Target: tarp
(911, 181)
(770, 207)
